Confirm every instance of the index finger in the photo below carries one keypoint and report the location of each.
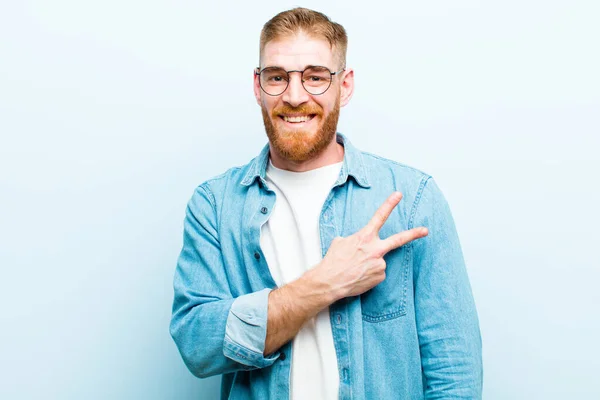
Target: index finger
(382, 213)
(400, 239)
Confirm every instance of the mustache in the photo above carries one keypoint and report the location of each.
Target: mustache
(303, 109)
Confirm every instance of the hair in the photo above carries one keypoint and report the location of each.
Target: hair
(313, 23)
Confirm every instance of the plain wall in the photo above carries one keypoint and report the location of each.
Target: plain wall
(112, 112)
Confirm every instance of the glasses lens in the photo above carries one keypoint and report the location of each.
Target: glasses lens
(316, 80)
(274, 80)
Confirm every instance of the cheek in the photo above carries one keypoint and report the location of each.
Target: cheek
(268, 102)
(328, 102)
(327, 106)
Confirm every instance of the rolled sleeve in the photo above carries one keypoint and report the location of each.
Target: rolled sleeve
(246, 330)
(203, 300)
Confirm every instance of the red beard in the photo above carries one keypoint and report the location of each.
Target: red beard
(301, 145)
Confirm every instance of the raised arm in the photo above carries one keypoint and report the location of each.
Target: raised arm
(216, 333)
(352, 266)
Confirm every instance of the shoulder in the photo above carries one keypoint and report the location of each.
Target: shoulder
(377, 163)
(218, 183)
(228, 182)
(422, 196)
(409, 180)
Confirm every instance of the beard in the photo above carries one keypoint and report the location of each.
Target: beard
(301, 144)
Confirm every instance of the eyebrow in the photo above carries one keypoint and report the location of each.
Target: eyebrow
(279, 66)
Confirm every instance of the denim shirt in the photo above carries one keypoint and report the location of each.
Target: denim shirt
(414, 336)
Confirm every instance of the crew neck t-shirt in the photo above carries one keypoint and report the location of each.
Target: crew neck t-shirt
(291, 243)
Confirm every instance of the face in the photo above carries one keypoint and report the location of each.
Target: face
(300, 125)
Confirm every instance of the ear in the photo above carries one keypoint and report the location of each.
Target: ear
(347, 86)
(256, 86)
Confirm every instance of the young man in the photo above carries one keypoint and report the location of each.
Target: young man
(303, 275)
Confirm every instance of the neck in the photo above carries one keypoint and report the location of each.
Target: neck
(333, 153)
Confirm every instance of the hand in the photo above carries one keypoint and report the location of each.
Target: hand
(355, 264)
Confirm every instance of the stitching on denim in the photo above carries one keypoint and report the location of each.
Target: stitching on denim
(192, 213)
(417, 201)
(413, 212)
(256, 358)
(206, 189)
(399, 311)
(338, 355)
(394, 162)
(222, 175)
(406, 270)
(205, 186)
(402, 309)
(384, 317)
(209, 193)
(349, 359)
(211, 199)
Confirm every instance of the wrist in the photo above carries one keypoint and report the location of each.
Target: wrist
(319, 287)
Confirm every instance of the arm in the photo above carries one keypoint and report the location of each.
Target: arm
(202, 302)
(293, 304)
(217, 334)
(447, 322)
(352, 266)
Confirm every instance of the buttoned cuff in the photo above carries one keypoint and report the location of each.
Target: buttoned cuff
(246, 330)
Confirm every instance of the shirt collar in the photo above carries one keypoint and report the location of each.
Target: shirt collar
(353, 165)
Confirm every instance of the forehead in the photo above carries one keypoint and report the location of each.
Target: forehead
(297, 52)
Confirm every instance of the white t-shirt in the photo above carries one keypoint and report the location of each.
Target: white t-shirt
(291, 243)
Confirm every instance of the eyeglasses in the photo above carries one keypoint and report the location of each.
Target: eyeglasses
(315, 79)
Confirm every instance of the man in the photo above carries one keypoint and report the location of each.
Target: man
(303, 275)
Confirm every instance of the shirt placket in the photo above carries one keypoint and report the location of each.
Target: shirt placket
(328, 229)
(261, 211)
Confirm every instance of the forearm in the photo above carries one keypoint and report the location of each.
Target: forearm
(290, 306)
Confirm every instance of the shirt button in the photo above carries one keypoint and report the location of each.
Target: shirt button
(338, 318)
(256, 255)
(282, 357)
(345, 374)
(264, 210)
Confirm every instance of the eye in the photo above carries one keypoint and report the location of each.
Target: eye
(274, 76)
(316, 76)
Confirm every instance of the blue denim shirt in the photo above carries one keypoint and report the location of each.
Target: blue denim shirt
(414, 336)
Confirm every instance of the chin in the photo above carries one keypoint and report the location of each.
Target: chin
(297, 133)
(300, 143)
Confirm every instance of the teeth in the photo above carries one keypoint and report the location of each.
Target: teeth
(304, 118)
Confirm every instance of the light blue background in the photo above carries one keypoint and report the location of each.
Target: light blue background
(111, 112)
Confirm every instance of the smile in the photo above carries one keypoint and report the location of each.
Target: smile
(297, 118)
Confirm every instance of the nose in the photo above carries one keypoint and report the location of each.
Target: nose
(295, 94)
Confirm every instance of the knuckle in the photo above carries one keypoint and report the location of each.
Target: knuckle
(381, 254)
(361, 237)
(378, 253)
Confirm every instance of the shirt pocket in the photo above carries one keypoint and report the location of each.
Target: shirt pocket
(387, 300)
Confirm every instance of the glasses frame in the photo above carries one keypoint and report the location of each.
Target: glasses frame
(259, 71)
